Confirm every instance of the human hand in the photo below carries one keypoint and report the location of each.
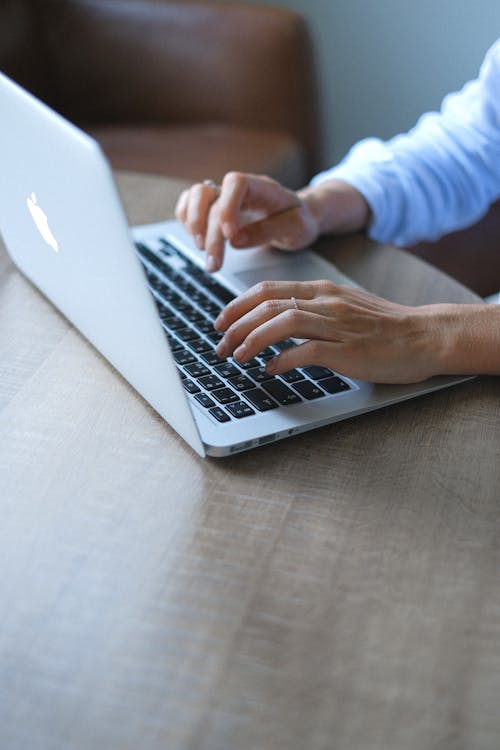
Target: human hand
(350, 330)
(247, 210)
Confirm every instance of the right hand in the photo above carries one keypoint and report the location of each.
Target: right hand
(247, 210)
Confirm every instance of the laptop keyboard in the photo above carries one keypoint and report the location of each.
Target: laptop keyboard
(188, 301)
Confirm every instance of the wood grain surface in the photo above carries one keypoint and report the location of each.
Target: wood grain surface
(336, 591)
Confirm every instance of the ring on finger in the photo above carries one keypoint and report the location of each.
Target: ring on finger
(294, 303)
(210, 183)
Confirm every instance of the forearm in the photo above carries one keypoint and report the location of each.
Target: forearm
(337, 207)
(465, 337)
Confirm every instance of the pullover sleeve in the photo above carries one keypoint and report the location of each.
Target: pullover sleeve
(440, 176)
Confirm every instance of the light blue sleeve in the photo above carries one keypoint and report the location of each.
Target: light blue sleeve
(440, 176)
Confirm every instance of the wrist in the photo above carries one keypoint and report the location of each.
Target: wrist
(336, 207)
(464, 339)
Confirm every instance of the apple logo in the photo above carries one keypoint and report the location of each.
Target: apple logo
(41, 222)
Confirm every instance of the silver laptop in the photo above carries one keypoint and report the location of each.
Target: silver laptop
(142, 298)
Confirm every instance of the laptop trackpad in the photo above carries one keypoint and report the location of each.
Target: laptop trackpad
(307, 267)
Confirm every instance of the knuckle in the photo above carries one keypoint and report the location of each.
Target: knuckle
(291, 317)
(325, 286)
(264, 288)
(271, 307)
(340, 307)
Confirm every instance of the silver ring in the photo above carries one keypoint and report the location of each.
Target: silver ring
(211, 183)
(294, 303)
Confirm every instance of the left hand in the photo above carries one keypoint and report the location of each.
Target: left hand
(350, 330)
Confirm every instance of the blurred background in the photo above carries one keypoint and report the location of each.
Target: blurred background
(194, 88)
(382, 63)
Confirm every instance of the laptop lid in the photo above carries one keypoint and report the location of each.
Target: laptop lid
(59, 211)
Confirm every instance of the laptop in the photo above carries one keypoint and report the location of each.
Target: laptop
(141, 295)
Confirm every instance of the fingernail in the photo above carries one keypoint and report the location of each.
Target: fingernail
(211, 264)
(241, 353)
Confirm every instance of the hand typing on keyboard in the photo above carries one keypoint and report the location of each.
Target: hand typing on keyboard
(347, 329)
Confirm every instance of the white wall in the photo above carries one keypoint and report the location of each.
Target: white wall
(381, 63)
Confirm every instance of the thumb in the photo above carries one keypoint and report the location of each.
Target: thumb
(285, 231)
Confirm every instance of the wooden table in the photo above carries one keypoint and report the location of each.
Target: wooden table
(335, 591)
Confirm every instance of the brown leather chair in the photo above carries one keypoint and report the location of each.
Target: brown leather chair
(190, 89)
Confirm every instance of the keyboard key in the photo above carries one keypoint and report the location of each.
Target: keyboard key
(182, 283)
(225, 396)
(210, 382)
(267, 353)
(212, 309)
(316, 373)
(163, 310)
(260, 400)
(197, 370)
(241, 383)
(186, 333)
(227, 370)
(183, 357)
(200, 345)
(184, 306)
(190, 386)
(248, 365)
(175, 345)
(202, 299)
(215, 337)
(147, 254)
(265, 357)
(172, 322)
(212, 359)
(223, 294)
(205, 400)
(281, 392)
(182, 374)
(308, 390)
(208, 281)
(292, 376)
(219, 414)
(239, 410)
(167, 248)
(259, 374)
(170, 296)
(334, 385)
(204, 326)
(194, 316)
(286, 344)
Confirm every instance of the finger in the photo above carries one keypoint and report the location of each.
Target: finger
(265, 290)
(285, 230)
(265, 311)
(181, 206)
(201, 199)
(291, 323)
(313, 352)
(238, 332)
(214, 242)
(241, 192)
